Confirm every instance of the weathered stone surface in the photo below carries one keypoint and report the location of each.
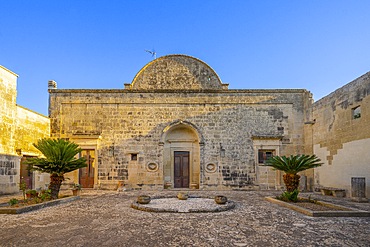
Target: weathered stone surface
(161, 114)
(341, 135)
(177, 72)
(19, 128)
(9, 174)
(102, 218)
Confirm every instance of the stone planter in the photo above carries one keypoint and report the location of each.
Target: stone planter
(220, 199)
(167, 185)
(76, 192)
(143, 199)
(193, 186)
(182, 196)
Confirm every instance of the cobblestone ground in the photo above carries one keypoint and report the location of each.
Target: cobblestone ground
(103, 218)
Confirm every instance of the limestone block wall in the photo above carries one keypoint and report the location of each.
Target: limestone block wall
(341, 136)
(8, 95)
(133, 122)
(30, 127)
(19, 128)
(9, 174)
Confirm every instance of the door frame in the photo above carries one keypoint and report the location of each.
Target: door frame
(31, 175)
(181, 149)
(174, 168)
(94, 166)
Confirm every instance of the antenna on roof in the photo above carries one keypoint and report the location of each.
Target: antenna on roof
(154, 54)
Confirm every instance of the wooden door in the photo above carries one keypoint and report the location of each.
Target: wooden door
(26, 174)
(87, 173)
(181, 168)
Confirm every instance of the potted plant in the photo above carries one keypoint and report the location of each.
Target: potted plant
(23, 188)
(76, 189)
(292, 165)
(31, 194)
(59, 159)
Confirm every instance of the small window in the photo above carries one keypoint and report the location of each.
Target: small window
(356, 112)
(264, 155)
(133, 156)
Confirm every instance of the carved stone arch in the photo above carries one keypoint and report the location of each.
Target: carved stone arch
(178, 123)
(182, 143)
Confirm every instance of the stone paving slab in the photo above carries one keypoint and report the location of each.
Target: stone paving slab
(105, 218)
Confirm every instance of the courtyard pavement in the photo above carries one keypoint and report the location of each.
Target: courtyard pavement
(105, 218)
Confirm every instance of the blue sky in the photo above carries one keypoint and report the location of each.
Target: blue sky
(319, 45)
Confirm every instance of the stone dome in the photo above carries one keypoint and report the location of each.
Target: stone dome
(176, 72)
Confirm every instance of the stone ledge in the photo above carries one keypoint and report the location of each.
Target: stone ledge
(350, 212)
(20, 210)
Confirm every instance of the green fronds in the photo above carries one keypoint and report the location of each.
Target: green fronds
(293, 164)
(59, 156)
(289, 196)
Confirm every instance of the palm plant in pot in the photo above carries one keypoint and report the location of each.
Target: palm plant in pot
(59, 158)
(292, 165)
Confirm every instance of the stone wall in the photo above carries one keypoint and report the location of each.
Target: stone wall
(8, 95)
(126, 122)
(342, 135)
(30, 127)
(9, 174)
(19, 128)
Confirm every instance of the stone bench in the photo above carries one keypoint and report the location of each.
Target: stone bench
(328, 191)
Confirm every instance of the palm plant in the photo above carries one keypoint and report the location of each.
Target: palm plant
(291, 166)
(59, 159)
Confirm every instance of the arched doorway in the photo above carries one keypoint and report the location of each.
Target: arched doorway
(181, 156)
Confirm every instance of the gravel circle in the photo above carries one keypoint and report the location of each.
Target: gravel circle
(191, 205)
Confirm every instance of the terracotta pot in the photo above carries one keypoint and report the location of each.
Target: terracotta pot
(182, 196)
(143, 199)
(76, 192)
(167, 185)
(220, 199)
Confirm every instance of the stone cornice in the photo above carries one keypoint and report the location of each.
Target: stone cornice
(8, 70)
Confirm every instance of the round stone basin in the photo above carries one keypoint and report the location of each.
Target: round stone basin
(191, 205)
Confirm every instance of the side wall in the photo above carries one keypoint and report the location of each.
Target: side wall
(341, 139)
(19, 128)
(8, 111)
(30, 127)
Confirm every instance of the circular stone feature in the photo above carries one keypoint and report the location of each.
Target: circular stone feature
(211, 168)
(152, 167)
(191, 205)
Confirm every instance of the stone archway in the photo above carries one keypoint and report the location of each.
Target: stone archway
(181, 155)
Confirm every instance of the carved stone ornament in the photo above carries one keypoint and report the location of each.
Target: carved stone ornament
(152, 166)
(211, 167)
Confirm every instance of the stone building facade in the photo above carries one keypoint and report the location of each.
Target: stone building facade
(178, 126)
(341, 135)
(19, 128)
